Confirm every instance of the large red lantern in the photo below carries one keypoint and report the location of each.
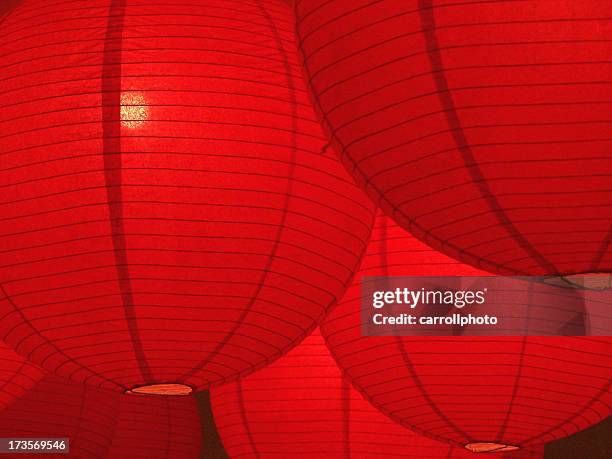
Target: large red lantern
(17, 375)
(168, 218)
(103, 424)
(483, 128)
(302, 407)
(480, 392)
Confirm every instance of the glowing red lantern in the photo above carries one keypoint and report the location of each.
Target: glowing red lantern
(480, 392)
(168, 219)
(100, 423)
(302, 406)
(17, 375)
(483, 128)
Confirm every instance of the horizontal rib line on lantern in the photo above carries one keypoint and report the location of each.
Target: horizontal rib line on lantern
(253, 95)
(110, 281)
(186, 203)
(127, 154)
(194, 24)
(195, 77)
(220, 107)
(30, 262)
(174, 137)
(437, 27)
(167, 234)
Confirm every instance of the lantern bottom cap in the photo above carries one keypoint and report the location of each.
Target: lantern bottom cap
(587, 281)
(489, 447)
(161, 389)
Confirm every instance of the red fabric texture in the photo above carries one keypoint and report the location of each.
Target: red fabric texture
(17, 375)
(482, 127)
(514, 390)
(302, 407)
(104, 424)
(167, 214)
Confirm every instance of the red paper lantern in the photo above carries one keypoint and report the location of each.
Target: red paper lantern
(480, 392)
(103, 424)
(302, 406)
(168, 218)
(483, 128)
(17, 375)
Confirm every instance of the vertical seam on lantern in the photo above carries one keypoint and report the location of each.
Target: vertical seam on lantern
(420, 232)
(384, 258)
(595, 267)
(426, 11)
(115, 417)
(111, 106)
(13, 376)
(45, 340)
(245, 421)
(281, 226)
(10, 10)
(421, 387)
(169, 425)
(400, 344)
(345, 397)
(81, 416)
(504, 425)
(404, 353)
(385, 264)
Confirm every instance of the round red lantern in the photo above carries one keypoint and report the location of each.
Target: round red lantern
(302, 406)
(17, 375)
(104, 424)
(168, 220)
(483, 128)
(480, 392)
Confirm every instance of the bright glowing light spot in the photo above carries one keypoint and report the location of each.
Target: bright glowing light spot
(161, 389)
(133, 110)
(486, 447)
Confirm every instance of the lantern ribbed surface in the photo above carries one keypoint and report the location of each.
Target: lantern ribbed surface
(56, 408)
(17, 375)
(482, 127)
(104, 424)
(302, 407)
(468, 390)
(167, 214)
(154, 427)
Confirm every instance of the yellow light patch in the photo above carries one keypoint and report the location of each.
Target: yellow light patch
(134, 110)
